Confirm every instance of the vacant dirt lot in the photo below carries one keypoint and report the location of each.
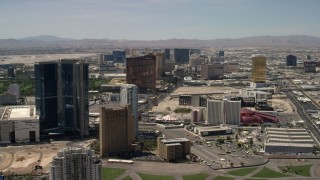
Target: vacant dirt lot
(22, 159)
(31, 59)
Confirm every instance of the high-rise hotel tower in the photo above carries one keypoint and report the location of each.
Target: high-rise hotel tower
(62, 97)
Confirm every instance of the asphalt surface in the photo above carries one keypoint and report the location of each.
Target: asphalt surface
(311, 125)
(213, 154)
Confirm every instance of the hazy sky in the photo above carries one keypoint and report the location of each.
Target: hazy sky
(158, 19)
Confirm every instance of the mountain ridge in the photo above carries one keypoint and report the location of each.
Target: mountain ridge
(56, 38)
(54, 44)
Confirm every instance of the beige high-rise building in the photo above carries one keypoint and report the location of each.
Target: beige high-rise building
(117, 130)
(160, 61)
(259, 65)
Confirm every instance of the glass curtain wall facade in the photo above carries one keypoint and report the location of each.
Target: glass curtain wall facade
(62, 97)
(259, 64)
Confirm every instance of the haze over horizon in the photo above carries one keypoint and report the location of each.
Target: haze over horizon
(158, 19)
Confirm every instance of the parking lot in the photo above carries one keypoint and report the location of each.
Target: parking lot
(209, 153)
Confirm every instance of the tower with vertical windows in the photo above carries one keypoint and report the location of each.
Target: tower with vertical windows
(259, 65)
(62, 97)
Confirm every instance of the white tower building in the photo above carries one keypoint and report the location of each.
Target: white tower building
(232, 112)
(215, 115)
(129, 96)
(79, 163)
(223, 112)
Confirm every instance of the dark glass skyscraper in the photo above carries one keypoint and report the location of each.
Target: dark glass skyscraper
(221, 53)
(119, 56)
(181, 55)
(291, 60)
(167, 53)
(62, 97)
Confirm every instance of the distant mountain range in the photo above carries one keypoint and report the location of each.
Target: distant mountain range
(45, 38)
(53, 43)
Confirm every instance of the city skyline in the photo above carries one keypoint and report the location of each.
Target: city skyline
(158, 19)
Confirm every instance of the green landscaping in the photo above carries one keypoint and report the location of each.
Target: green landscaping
(195, 176)
(223, 178)
(148, 144)
(155, 177)
(255, 179)
(303, 170)
(268, 173)
(26, 85)
(94, 84)
(111, 173)
(242, 172)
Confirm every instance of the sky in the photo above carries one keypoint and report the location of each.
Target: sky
(158, 19)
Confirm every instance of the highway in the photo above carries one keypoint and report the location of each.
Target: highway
(312, 126)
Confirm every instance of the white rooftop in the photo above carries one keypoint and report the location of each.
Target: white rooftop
(212, 128)
(288, 144)
(176, 140)
(258, 55)
(19, 113)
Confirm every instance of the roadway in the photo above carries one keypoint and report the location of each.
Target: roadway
(216, 156)
(312, 126)
(212, 154)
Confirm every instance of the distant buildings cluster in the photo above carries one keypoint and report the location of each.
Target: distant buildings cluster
(62, 105)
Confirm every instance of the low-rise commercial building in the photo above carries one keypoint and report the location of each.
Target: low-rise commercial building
(212, 130)
(291, 148)
(8, 98)
(193, 100)
(19, 124)
(286, 140)
(173, 150)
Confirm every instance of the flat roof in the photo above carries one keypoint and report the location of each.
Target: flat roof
(174, 144)
(212, 128)
(286, 129)
(288, 136)
(284, 132)
(290, 140)
(176, 140)
(258, 55)
(259, 92)
(288, 144)
(19, 112)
